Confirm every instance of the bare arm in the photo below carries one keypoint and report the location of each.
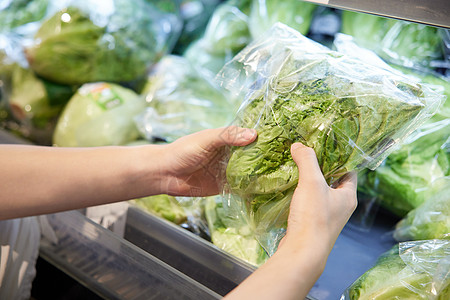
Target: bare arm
(317, 215)
(36, 180)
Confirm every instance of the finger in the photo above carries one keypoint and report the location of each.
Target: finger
(234, 136)
(306, 160)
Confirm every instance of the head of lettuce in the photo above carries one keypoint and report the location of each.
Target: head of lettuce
(114, 41)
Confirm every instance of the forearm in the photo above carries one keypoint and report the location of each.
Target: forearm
(36, 180)
(289, 274)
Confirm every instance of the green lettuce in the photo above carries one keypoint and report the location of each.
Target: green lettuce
(348, 112)
(79, 45)
(164, 206)
(20, 12)
(232, 235)
(430, 220)
(414, 270)
(264, 14)
(99, 114)
(401, 42)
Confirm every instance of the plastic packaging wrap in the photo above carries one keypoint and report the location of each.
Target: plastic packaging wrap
(164, 206)
(19, 12)
(294, 89)
(99, 114)
(411, 270)
(404, 43)
(225, 35)
(182, 98)
(431, 220)
(114, 40)
(265, 13)
(232, 235)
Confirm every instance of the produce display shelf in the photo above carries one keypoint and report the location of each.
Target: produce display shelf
(428, 12)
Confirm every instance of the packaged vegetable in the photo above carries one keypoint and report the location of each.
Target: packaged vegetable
(114, 40)
(431, 219)
(410, 270)
(232, 235)
(99, 114)
(265, 13)
(401, 42)
(164, 206)
(182, 98)
(295, 90)
(19, 12)
(225, 35)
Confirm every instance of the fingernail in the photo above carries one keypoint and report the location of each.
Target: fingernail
(296, 146)
(248, 134)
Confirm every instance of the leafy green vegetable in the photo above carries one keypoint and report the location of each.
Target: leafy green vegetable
(430, 220)
(164, 206)
(183, 98)
(350, 113)
(20, 12)
(99, 114)
(232, 235)
(401, 42)
(225, 35)
(79, 45)
(265, 13)
(416, 270)
(402, 182)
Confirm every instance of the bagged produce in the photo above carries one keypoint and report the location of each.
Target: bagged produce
(164, 206)
(232, 235)
(114, 40)
(225, 35)
(431, 219)
(99, 114)
(265, 13)
(404, 43)
(19, 12)
(182, 98)
(410, 270)
(295, 90)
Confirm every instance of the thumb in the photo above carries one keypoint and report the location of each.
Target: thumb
(306, 160)
(235, 136)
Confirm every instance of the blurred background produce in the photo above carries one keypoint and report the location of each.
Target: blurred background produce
(115, 72)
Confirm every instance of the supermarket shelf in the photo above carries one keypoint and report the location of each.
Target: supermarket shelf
(429, 12)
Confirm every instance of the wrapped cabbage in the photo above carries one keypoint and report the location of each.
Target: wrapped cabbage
(182, 99)
(232, 235)
(431, 220)
(296, 90)
(404, 43)
(99, 114)
(265, 13)
(410, 270)
(225, 35)
(164, 206)
(114, 40)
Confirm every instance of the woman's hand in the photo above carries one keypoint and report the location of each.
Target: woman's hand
(191, 164)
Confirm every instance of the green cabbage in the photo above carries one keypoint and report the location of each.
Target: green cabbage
(99, 114)
(232, 235)
(79, 45)
(164, 206)
(414, 270)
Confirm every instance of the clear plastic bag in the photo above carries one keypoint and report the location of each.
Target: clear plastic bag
(295, 90)
(410, 270)
(430, 220)
(113, 40)
(182, 98)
